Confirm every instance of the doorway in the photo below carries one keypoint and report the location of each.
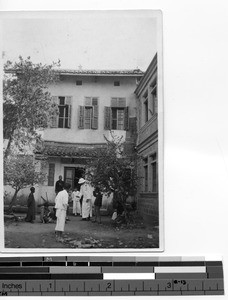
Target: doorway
(72, 175)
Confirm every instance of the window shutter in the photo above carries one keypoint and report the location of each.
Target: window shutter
(118, 102)
(121, 102)
(81, 117)
(88, 101)
(68, 101)
(126, 119)
(94, 101)
(69, 116)
(114, 102)
(95, 117)
(54, 118)
(107, 120)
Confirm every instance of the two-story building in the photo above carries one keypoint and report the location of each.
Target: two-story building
(147, 144)
(90, 103)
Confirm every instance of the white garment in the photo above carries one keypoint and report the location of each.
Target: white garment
(61, 203)
(87, 193)
(76, 196)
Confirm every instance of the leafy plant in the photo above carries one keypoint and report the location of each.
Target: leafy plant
(21, 171)
(114, 171)
(27, 104)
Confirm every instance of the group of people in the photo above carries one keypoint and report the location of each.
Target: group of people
(82, 203)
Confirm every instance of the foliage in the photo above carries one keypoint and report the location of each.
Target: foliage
(27, 105)
(21, 171)
(114, 171)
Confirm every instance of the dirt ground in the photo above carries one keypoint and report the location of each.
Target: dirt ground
(81, 234)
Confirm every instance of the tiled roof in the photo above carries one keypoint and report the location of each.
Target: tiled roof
(135, 72)
(69, 150)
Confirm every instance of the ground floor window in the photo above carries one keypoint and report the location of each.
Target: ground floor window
(51, 174)
(154, 182)
(145, 167)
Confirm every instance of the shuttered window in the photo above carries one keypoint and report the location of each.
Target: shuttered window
(145, 175)
(154, 182)
(118, 102)
(153, 88)
(88, 114)
(51, 174)
(116, 116)
(63, 118)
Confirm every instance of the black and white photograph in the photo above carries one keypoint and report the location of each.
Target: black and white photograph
(82, 130)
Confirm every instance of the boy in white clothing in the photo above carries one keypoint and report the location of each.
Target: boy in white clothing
(76, 196)
(61, 204)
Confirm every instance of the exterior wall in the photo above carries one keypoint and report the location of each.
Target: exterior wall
(47, 191)
(101, 87)
(148, 208)
(147, 146)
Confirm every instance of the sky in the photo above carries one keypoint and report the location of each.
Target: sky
(92, 40)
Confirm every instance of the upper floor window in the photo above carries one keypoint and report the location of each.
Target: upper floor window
(63, 118)
(116, 83)
(78, 82)
(116, 116)
(145, 107)
(153, 91)
(88, 114)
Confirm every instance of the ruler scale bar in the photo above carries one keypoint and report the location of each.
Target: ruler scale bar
(110, 276)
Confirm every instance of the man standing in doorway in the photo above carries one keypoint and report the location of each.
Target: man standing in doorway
(59, 185)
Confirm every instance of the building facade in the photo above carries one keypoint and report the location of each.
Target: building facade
(147, 144)
(91, 104)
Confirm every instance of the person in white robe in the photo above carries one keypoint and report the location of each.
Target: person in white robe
(61, 204)
(87, 193)
(76, 196)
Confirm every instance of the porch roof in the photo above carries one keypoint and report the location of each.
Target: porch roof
(57, 149)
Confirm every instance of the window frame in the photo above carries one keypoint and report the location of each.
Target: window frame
(116, 83)
(117, 104)
(145, 173)
(154, 97)
(65, 118)
(78, 82)
(51, 174)
(153, 172)
(89, 103)
(118, 117)
(66, 106)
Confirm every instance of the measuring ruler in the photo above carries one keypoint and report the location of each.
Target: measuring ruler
(110, 276)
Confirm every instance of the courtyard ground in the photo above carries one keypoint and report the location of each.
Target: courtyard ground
(81, 234)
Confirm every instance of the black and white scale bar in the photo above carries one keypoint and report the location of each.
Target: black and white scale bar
(106, 276)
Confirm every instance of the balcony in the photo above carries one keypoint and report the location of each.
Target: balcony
(148, 129)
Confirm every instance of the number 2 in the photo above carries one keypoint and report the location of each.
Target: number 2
(109, 285)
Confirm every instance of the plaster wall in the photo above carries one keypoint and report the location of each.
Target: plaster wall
(101, 87)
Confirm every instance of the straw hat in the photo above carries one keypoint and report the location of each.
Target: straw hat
(81, 181)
